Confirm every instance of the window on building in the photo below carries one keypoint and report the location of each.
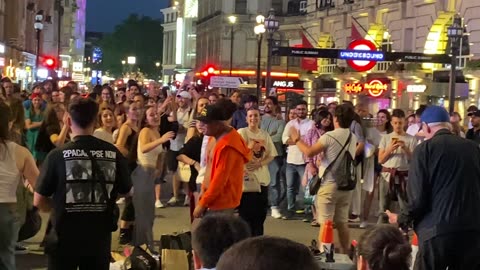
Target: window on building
(294, 61)
(386, 42)
(240, 6)
(277, 5)
(167, 20)
(408, 40)
(325, 4)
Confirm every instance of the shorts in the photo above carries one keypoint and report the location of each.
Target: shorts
(332, 204)
(172, 162)
(163, 168)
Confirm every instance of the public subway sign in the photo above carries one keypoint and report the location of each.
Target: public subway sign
(374, 88)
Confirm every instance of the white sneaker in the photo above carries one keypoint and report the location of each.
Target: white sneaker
(173, 200)
(276, 213)
(159, 204)
(363, 225)
(187, 201)
(121, 201)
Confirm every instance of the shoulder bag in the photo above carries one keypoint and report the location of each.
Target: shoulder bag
(315, 183)
(112, 209)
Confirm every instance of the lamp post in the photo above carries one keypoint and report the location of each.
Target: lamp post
(123, 67)
(157, 64)
(38, 25)
(271, 26)
(259, 29)
(232, 20)
(454, 33)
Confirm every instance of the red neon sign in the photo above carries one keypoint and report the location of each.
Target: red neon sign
(374, 88)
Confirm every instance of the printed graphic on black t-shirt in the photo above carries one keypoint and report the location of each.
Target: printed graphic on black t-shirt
(84, 192)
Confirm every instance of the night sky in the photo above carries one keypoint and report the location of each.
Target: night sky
(103, 15)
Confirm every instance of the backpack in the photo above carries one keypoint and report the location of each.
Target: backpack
(345, 174)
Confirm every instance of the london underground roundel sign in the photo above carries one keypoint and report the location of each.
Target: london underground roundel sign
(362, 45)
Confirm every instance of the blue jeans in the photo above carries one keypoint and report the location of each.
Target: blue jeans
(294, 175)
(8, 235)
(274, 168)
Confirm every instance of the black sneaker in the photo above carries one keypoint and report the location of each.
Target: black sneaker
(289, 215)
(125, 236)
(20, 250)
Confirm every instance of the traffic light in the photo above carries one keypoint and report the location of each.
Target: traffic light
(208, 72)
(50, 62)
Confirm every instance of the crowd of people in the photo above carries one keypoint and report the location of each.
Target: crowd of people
(228, 157)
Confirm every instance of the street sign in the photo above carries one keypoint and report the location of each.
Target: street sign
(362, 47)
(345, 54)
(225, 82)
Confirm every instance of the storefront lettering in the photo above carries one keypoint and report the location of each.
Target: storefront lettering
(288, 84)
(353, 88)
(416, 88)
(374, 88)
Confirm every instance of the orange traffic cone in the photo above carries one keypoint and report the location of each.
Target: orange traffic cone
(414, 249)
(326, 244)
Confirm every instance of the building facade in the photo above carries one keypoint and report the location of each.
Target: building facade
(233, 48)
(179, 36)
(402, 26)
(18, 38)
(394, 26)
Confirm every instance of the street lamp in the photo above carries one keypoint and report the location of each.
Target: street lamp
(259, 30)
(38, 25)
(454, 33)
(271, 26)
(232, 19)
(157, 64)
(131, 60)
(123, 62)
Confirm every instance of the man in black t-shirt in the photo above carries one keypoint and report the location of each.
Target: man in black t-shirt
(75, 181)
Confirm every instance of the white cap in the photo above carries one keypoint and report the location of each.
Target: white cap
(184, 94)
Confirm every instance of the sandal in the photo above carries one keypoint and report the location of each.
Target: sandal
(314, 223)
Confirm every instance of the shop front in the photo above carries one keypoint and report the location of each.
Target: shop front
(327, 90)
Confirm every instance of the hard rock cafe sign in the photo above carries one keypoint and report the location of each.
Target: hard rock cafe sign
(374, 88)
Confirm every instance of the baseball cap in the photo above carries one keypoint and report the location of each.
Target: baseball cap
(184, 94)
(435, 114)
(474, 113)
(211, 113)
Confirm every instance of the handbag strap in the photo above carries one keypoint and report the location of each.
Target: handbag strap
(347, 142)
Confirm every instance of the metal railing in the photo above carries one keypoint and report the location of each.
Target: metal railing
(327, 69)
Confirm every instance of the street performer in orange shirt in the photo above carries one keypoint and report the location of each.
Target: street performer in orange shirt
(227, 153)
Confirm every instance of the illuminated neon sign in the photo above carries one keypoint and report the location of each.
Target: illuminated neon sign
(358, 55)
(374, 88)
(362, 55)
(353, 88)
